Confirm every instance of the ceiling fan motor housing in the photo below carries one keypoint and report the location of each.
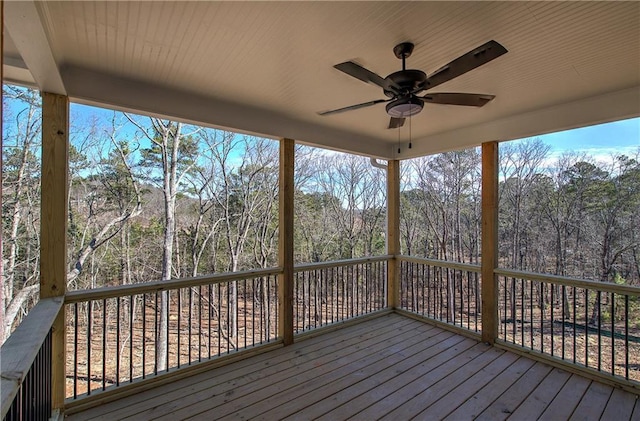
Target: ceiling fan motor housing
(405, 107)
(410, 81)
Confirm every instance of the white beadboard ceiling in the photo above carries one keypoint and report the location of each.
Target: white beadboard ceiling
(267, 67)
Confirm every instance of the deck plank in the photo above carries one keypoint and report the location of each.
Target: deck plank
(593, 402)
(491, 391)
(537, 402)
(289, 401)
(361, 394)
(269, 363)
(502, 407)
(230, 394)
(636, 412)
(620, 406)
(408, 401)
(566, 401)
(200, 387)
(391, 367)
(319, 375)
(448, 359)
(471, 386)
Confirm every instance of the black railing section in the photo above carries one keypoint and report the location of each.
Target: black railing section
(591, 324)
(33, 401)
(445, 291)
(26, 359)
(326, 293)
(139, 332)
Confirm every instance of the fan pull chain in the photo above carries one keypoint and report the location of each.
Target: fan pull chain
(409, 132)
(398, 139)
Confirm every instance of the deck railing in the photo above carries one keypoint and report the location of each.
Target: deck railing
(593, 325)
(116, 335)
(26, 384)
(444, 291)
(330, 292)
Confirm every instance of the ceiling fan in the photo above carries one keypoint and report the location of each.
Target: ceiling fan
(402, 87)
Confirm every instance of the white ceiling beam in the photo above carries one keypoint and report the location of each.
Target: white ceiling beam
(86, 86)
(23, 23)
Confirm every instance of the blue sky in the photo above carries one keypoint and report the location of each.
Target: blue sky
(602, 140)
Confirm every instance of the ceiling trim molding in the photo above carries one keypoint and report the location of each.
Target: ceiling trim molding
(23, 23)
(609, 107)
(93, 88)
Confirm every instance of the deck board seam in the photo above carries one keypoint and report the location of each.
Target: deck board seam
(249, 364)
(414, 355)
(381, 385)
(365, 354)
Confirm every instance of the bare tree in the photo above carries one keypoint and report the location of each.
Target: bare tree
(173, 154)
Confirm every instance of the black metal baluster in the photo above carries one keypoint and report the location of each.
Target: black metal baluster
(552, 326)
(168, 297)
(514, 310)
(104, 343)
(503, 308)
(626, 336)
(564, 295)
(542, 315)
(219, 319)
(199, 323)
(131, 302)
(522, 311)
(89, 336)
(190, 324)
(210, 308)
(574, 298)
(613, 334)
(75, 350)
(144, 335)
(157, 334)
(117, 341)
(257, 302)
(599, 304)
(178, 333)
(244, 309)
(586, 327)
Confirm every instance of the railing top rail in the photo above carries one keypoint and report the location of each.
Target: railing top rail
(20, 350)
(467, 267)
(157, 286)
(339, 263)
(573, 282)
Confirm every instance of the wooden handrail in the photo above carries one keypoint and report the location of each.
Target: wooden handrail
(21, 348)
(338, 263)
(572, 282)
(156, 286)
(467, 267)
(148, 287)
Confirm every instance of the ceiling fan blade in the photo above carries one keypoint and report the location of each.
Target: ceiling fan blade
(365, 75)
(456, 98)
(395, 122)
(466, 62)
(354, 107)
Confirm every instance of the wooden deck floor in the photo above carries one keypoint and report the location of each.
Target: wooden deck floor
(390, 368)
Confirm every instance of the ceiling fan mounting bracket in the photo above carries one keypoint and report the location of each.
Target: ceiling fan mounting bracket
(403, 50)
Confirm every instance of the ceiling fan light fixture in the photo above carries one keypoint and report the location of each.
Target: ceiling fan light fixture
(405, 107)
